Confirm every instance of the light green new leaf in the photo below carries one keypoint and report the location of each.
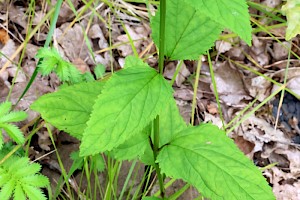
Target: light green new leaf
(131, 98)
(19, 193)
(206, 158)
(13, 117)
(188, 32)
(292, 11)
(69, 108)
(19, 177)
(231, 14)
(4, 108)
(33, 193)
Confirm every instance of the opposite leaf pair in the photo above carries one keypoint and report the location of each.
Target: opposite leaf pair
(126, 105)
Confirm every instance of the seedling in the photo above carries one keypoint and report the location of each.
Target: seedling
(18, 178)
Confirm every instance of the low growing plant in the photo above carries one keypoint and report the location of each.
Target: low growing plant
(133, 113)
(18, 178)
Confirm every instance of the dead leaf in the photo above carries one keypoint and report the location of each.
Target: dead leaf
(258, 131)
(212, 108)
(245, 146)
(230, 85)
(258, 87)
(73, 43)
(81, 65)
(223, 46)
(182, 75)
(4, 37)
(293, 84)
(8, 50)
(44, 140)
(137, 34)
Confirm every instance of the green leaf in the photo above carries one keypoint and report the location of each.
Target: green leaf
(151, 198)
(97, 163)
(129, 101)
(36, 180)
(13, 117)
(7, 190)
(133, 147)
(34, 193)
(206, 158)
(188, 32)
(99, 71)
(69, 109)
(4, 108)
(230, 14)
(19, 193)
(292, 11)
(147, 158)
(171, 123)
(52, 61)
(18, 177)
(132, 61)
(13, 132)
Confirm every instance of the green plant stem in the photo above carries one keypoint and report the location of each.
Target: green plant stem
(195, 89)
(155, 154)
(161, 61)
(162, 28)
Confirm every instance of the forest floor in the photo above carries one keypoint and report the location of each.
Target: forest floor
(247, 78)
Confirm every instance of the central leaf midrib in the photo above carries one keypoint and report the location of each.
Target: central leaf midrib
(217, 166)
(181, 35)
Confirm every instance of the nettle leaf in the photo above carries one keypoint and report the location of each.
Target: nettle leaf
(206, 158)
(170, 125)
(133, 147)
(292, 11)
(188, 32)
(69, 108)
(20, 179)
(130, 100)
(230, 14)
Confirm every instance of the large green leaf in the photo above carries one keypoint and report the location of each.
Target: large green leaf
(231, 14)
(69, 108)
(206, 158)
(130, 100)
(188, 32)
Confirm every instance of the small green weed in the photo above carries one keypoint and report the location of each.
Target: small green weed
(18, 178)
